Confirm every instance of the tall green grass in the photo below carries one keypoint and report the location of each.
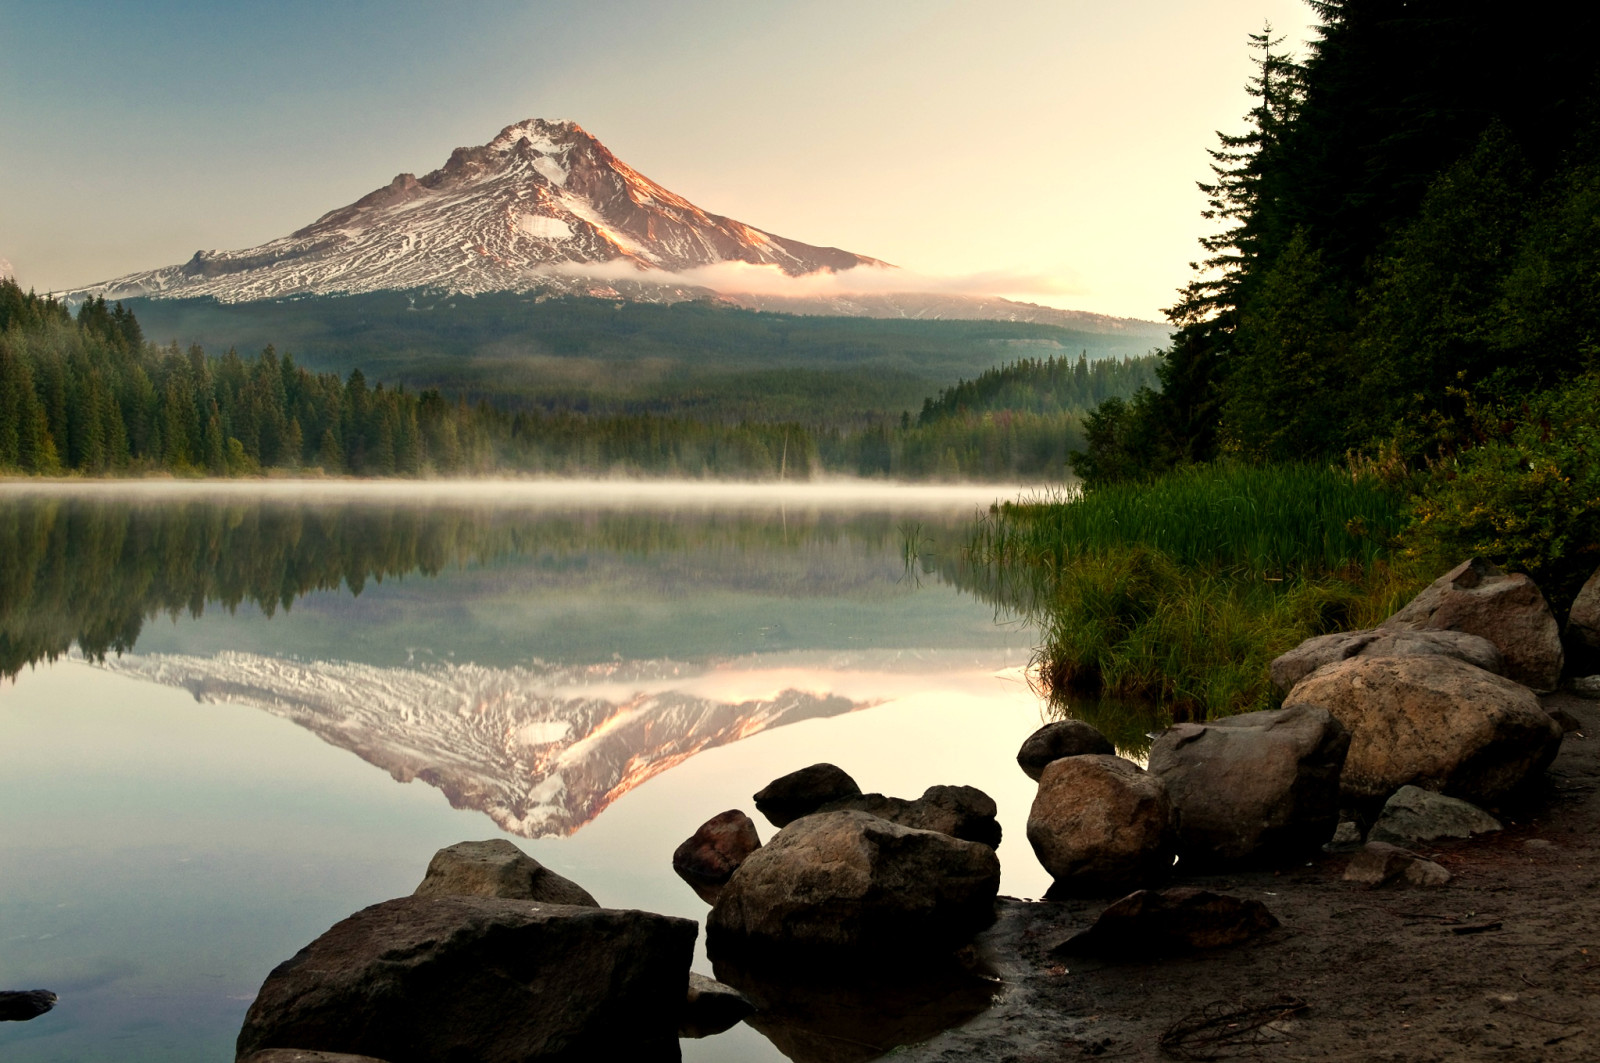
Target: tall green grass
(1179, 592)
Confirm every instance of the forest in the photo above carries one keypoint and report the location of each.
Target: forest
(88, 394)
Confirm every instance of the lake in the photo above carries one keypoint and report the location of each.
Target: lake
(239, 712)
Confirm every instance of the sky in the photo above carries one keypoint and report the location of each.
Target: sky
(1045, 149)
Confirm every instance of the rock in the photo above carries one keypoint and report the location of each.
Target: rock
(1064, 738)
(1347, 835)
(1382, 864)
(300, 1055)
(1100, 823)
(1587, 686)
(1260, 786)
(712, 1008)
(482, 978)
(1568, 723)
(1583, 629)
(1159, 922)
(1508, 610)
(1414, 816)
(850, 880)
(711, 854)
(20, 1005)
(802, 792)
(1433, 722)
(1313, 653)
(496, 868)
(964, 812)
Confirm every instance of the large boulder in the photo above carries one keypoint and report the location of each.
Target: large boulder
(420, 979)
(1064, 738)
(1414, 816)
(1434, 722)
(1583, 629)
(496, 868)
(850, 880)
(1157, 922)
(800, 793)
(1508, 610)
(1313, 653)
(1101, 823)
(964, 812)
(709, 856)
(1258, 786)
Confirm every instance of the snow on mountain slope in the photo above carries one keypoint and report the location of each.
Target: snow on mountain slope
(541, 751)
(531, 208)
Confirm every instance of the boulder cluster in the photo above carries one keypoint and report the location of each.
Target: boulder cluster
(1407, 728)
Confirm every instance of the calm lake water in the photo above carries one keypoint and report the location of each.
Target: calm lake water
(240, 712)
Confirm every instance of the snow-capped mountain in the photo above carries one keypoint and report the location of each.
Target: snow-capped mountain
(531, 208)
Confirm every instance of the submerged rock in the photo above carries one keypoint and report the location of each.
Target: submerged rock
(1159, 922)
(1414, 816)
(1258, 786)
(710, 856)
(1064, 738)
(1101, 823)
(1433, 722)
(800, 793)
(497, 868)
(482, 978)
(849, 880)
(712, 1008)
(1508, 610)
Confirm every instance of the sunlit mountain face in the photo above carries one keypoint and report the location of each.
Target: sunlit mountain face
(534, 207)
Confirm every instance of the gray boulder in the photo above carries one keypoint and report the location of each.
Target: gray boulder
(712, 1008)
(1434, 722)
(1382, 864)
(1158, 922)
(1100, 824)
(1583, 629)
(496, 868)
(420, 979)
(1313, 653)
(1261, 786)
(1508, 610)
(1414, 816)
(1587, 686)
(1064, 738)
(800, 793)
(852, 881)
(964, 812)
(709, 856)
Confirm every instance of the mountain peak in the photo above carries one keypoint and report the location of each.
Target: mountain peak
(534, 207)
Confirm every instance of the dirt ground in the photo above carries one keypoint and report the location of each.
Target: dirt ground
(1502, 963)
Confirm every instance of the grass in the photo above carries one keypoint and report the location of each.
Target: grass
(1178, 593)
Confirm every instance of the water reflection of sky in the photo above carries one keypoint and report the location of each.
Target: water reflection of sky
(161, 854)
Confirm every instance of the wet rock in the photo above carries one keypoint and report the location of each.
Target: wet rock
(712, 1008)
(1314, 653)
(24, 1004)
(497, 868)
(1101, 823)
(1159, 922)
(1414, 816)
(852, 881)
(299, 1055)
(1433, 722)
(1508, 610)
(1064, 738)
(1583, 629)
(482, 978)
(964, 812)
(1382, 864)
(800, 793)
(1261, 786)
(709, 857)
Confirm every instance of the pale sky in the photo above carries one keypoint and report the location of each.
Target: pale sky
(1054, 141)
